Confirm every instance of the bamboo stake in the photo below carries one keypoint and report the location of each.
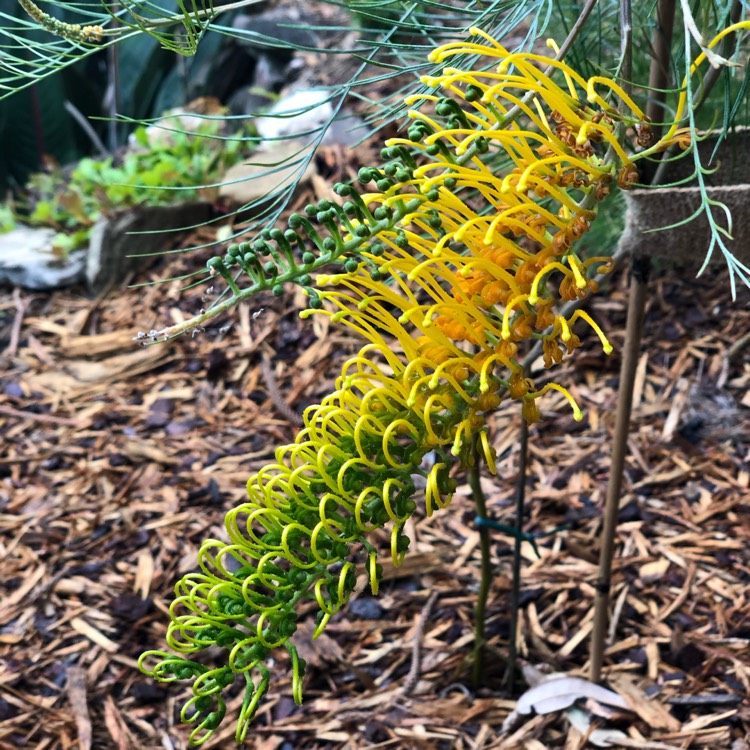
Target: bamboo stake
(658, 78)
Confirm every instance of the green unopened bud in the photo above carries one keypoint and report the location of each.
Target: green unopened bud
(351, 265)
(297, 576)
(287, 628)
(215, 265)
(444, 107)
(226, 639)
(308, 258)
(367, 174)
(278, 290)
(402, 543)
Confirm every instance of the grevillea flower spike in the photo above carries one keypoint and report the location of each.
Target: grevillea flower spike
(449, 267)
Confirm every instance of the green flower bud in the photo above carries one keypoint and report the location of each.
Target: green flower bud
(365, 175)
(287, 628)
(402, 543)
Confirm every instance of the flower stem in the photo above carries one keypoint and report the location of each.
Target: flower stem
(515, 593)
(486, 575)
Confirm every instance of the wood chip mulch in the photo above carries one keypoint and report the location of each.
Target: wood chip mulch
(116, 461)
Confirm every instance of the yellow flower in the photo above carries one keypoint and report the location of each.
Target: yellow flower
(445, 295)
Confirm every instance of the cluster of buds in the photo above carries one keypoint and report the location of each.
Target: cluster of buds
(449, 267)
(72, 31)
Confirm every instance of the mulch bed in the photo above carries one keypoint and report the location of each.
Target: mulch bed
(117, 461)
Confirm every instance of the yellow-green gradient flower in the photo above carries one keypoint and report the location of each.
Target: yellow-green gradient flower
(351, 470)
(458, 265)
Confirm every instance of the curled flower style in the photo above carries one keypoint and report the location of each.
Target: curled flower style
(450, 267)
(350, 471)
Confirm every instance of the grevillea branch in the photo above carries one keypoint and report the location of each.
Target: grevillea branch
(445, 269)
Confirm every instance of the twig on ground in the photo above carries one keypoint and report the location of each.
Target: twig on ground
(416, 649)
(269, 379)
(9, 411)
(15, 331)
